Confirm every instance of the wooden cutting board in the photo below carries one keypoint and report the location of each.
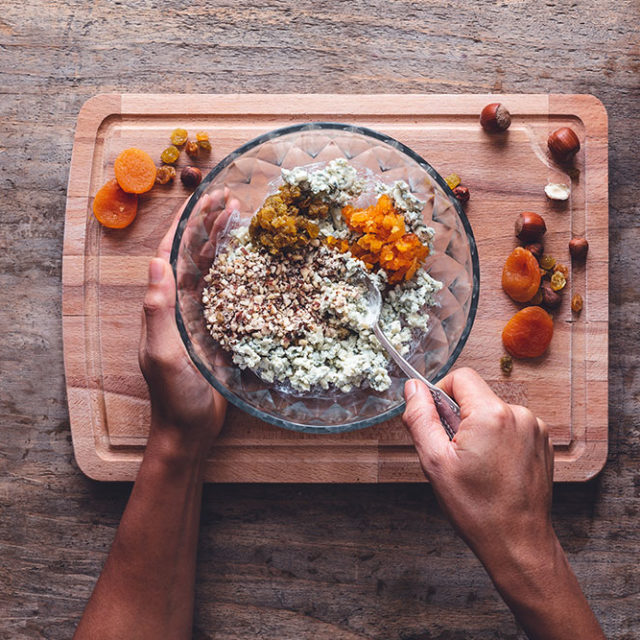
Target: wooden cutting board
(104, 275)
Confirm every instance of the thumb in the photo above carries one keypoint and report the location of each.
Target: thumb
(423, 423)
(159, 305)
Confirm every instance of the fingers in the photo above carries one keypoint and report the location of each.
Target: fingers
(423, 422)
(164, 248)
(159, 308)
(468, 389)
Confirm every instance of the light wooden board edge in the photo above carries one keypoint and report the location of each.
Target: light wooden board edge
(349, 462)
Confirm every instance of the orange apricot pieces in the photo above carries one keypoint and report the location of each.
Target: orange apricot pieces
(385, 242)
(528, 333)
(521, 275)
(113, 207)
(135, 171)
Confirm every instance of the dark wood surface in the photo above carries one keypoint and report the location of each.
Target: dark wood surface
(279, 562)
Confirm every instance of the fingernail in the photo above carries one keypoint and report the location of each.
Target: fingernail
(409, 389)
(156, 271)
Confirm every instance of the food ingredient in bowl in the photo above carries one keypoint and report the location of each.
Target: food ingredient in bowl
(286, 219)
(293, 312)
(521, 275)
(385, 242)
(113, 207)
(135, 171)
(557, 191)
(528, 333)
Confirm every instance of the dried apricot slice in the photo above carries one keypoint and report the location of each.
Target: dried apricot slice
(113, 207)
(135, 171)
(521, 275)
(528, 333)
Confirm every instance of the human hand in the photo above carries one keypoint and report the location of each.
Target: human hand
(186, 412)
(494, 479)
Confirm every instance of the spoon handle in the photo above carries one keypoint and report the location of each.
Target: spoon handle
(448, 409)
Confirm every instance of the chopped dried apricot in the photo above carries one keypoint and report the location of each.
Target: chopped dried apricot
(528, 333)
(521, 275)
(135, 170)
(385, 242)
(113, 207)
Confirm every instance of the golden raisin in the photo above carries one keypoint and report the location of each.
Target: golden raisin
(577, 303)
(170, 155)
(537, 299)
(191, 148)
(547, 262)
(558, 281)
(564, 270)
(283, 220)
(202, 138)
(178, 136)
(452, 180)
(506, 364)
(166, 173)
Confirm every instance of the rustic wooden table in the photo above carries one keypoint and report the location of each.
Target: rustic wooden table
(291, 561)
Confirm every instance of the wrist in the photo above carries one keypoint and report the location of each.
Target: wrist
(172, 447)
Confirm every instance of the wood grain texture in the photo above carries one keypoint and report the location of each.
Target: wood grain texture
(104, 275)
(292, 561)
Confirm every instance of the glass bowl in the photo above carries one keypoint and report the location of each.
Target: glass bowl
(241, 182)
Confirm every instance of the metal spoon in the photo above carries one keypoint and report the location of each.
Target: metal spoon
(448, 409)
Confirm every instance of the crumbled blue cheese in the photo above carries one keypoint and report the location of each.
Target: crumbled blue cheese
(337, 183)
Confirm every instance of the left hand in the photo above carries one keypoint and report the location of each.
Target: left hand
(186, 412)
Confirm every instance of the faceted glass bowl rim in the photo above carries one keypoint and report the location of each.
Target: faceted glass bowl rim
(317, 126)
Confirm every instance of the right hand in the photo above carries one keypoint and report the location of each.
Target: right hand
(494, 479)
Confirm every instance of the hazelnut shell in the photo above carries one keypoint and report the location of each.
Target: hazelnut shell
(578, 248)
(530, 227)
(191, 177)
(495, 117)
(563, 144)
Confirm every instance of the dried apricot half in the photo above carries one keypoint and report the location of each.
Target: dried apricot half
(521, 275)
(135, 170)
(113, 207)
(528, 333)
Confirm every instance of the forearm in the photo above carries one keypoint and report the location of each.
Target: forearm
(540, 588)
(146, 589)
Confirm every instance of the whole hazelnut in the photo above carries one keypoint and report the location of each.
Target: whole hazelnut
(536, 248)
(462, 193)
(495, 117)
(191, 177)
(563, 144)
(550, 299)
(578, 248)
(530, 227)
